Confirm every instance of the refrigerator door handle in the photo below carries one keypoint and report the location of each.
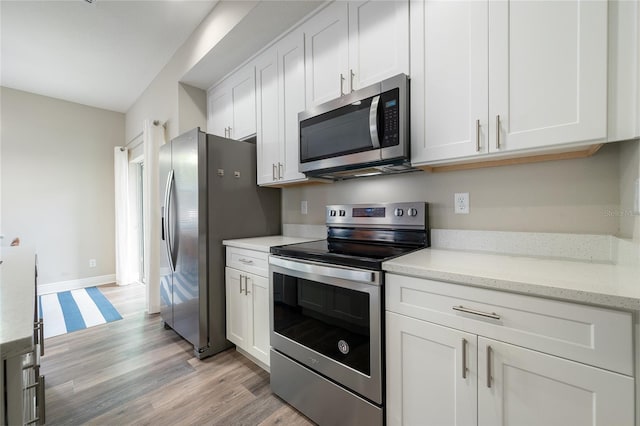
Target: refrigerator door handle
(167, 221)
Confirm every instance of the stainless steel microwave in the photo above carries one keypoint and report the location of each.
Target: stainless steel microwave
(363, 133)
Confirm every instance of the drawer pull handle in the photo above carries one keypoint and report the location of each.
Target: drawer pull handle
(246, 261)
(491, 315)
(464, 358)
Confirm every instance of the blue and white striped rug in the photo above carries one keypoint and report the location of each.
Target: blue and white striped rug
(74, 310)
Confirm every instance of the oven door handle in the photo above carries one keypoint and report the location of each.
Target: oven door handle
(360, 275)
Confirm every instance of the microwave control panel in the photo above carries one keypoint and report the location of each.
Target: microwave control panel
(391, 117)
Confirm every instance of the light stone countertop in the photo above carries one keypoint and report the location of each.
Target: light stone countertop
(265, 243)
(17, 299)
(610, 285)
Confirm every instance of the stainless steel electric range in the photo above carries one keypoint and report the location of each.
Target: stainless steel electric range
(327, 311)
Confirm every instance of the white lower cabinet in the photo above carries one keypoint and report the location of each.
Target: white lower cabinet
(426, 383)
(464, 371)
(247, 302)
(518, 386)
(248, 313)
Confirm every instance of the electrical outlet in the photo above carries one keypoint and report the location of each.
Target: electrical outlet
(303, 207)
(461, 203)
(92, 263)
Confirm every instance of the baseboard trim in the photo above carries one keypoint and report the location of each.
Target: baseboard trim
(75, 284)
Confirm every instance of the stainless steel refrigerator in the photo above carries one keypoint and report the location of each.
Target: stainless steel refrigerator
(208, 193)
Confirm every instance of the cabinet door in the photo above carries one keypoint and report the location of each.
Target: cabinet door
(267, 123)
(378, 41)
(258, 295)
(237, 307)
(425, 383)
(291, 102)
(219, 111)
(532, 388)
(449, 79)
(243, 101)
(327, 54)
(547, 73)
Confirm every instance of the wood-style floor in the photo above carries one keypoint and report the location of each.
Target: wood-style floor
(133, 371)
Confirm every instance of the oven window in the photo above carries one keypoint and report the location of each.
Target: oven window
(331, 320)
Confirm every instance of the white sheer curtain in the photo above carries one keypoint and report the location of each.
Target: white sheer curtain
(121, 173)
(153, 138)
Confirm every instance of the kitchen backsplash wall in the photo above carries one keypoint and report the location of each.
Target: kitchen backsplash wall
(630, 190)
(568, 196)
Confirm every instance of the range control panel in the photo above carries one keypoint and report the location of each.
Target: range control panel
(410, 215)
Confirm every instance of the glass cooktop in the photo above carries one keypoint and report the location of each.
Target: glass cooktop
(344, 253)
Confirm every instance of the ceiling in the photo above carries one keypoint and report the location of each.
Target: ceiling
(103, 54)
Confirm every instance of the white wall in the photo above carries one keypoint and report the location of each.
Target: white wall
(58, 184)
(160, 101)
(568, 196)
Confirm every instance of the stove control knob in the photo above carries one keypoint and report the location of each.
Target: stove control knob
(399, 212)
(332, 213)
(412, 212)
(343, 213)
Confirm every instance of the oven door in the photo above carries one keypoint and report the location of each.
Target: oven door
(328, 318)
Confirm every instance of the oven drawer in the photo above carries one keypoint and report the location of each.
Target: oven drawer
(256, 262)
(588, 334)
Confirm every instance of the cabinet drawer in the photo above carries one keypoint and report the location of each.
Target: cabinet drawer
(592, 335)
(256, 262)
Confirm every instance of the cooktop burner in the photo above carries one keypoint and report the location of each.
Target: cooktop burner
(344, 253)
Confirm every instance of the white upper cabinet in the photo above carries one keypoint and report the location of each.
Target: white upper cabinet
(327, 54)
(267, 118)
(291, 102)
(449, 79)
(350, 45)
(280, 97)
(243, 101)
(504, 76)
(219, 111)
(378, 41)
(547, 73)
(231, 106)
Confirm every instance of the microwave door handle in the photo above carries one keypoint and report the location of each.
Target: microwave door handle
(373, 122)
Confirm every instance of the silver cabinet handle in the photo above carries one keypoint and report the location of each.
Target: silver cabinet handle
(279, 170)
(41, 402)
(341, 84)
(241, 284)
(477, 135)
(352, 74)
(245, 261)
(461, 308)
(38, 327)
(274, 171)
(464, 358)
(246, 285)
(498, 131)
(488, 366)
